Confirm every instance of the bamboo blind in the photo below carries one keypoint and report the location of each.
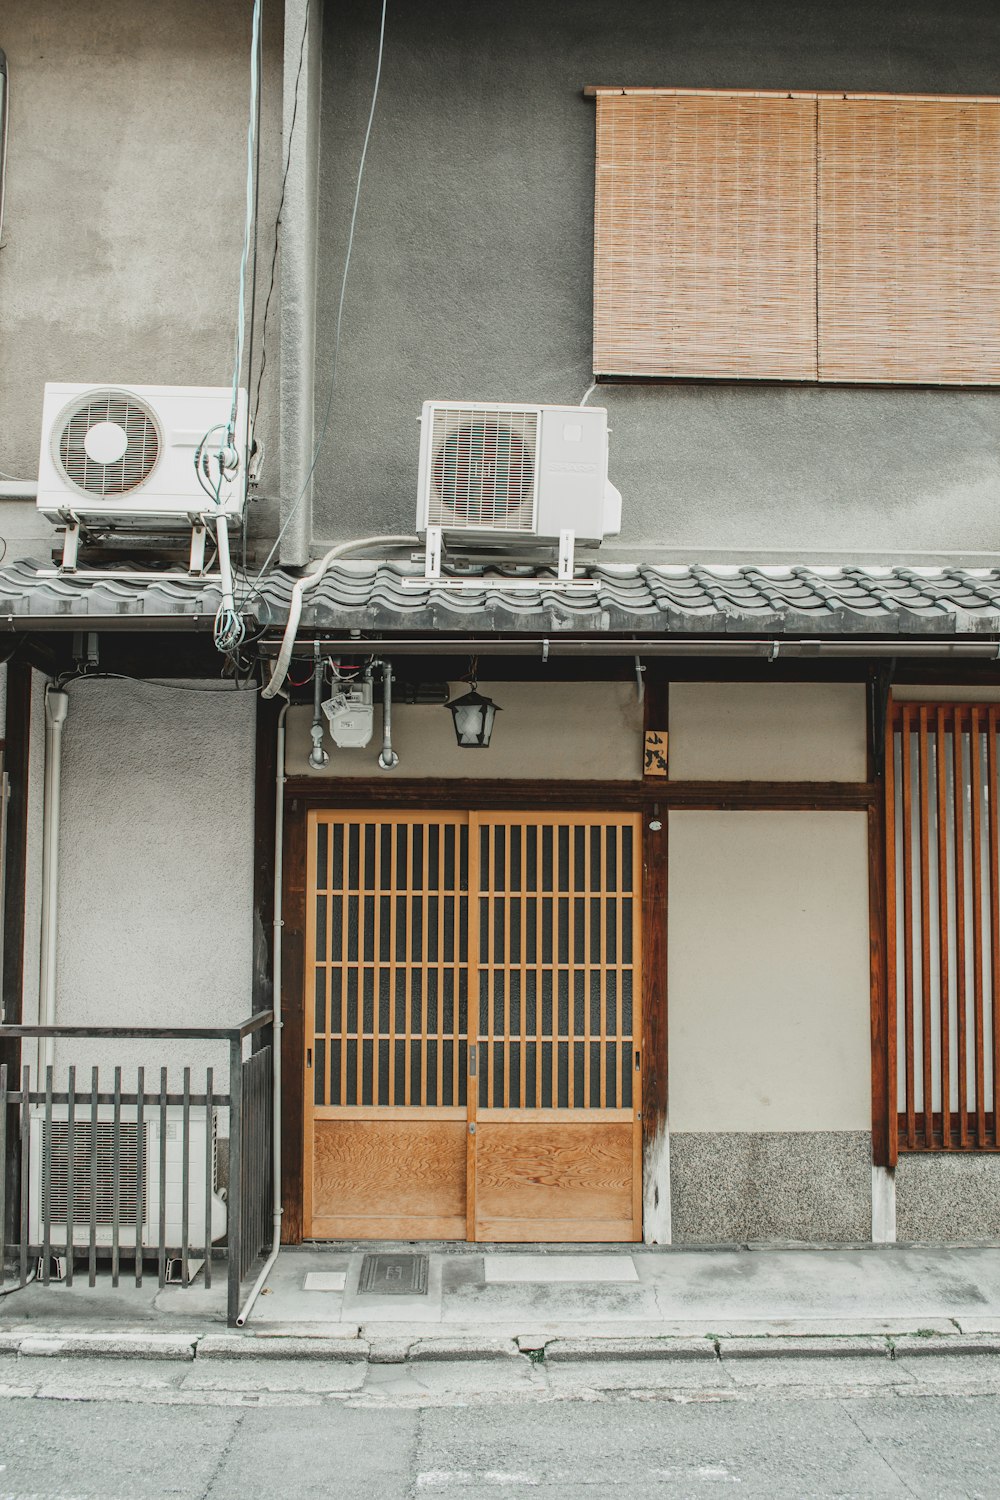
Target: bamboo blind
(803, 236)
(909, 240)
(559, 961)
(704, 234)
(944, 923)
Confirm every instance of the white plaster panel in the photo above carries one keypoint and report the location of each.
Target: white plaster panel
(156, 865)
(756, 731)
(545, 730)
(33, 854)
(768, 972)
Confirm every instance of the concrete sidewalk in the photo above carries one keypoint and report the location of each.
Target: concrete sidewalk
(496, 1300)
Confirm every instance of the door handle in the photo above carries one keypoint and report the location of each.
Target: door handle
(472, 1062)
(309, 1057)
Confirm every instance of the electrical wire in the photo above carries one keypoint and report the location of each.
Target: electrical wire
(340, 308)
(173, 687)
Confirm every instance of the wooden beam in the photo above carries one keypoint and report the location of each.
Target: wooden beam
(877, 926)
(655, 1134)
(582, 796)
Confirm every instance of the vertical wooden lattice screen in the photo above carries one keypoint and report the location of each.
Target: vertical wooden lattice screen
(558, 940)
(909, 240)
(705, 236)
(798, 236)
(944, 923)
(391, 964)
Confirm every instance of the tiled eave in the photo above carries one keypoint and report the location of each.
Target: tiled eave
(392, 599)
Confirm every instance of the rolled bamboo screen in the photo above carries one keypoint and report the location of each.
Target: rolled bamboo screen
(909, 240)
(797, 237)
(705, 236)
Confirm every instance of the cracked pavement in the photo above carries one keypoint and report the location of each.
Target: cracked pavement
(103, 1429)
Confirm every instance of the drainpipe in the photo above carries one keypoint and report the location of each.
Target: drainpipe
(279, 809)
(56, 708)
(388, 759)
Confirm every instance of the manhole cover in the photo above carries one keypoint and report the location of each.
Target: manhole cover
(394, 1275)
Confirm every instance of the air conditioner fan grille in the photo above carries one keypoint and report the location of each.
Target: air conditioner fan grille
(139, 433)
(55, 1202)
(483, 470)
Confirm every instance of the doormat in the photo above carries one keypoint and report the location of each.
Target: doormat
(394, 1275)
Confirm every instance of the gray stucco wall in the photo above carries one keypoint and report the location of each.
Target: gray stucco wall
(156, 866)
(124, 212)
(472, 274)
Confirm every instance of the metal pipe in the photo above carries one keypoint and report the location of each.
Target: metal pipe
(318, 757)
(56, 709)
(279, 810)
(280, 671)
(388, 759)
(666, 645)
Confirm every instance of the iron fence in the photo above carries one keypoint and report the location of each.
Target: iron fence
(167, 1168)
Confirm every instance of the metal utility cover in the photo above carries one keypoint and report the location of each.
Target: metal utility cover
(394, 1275)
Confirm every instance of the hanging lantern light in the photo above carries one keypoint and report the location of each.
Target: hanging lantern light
(472, 716)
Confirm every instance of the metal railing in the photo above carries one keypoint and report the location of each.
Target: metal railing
(128, 1173)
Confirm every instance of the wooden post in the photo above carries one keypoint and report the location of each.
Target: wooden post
(655, 1134)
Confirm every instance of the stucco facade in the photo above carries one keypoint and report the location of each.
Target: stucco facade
(472, 278)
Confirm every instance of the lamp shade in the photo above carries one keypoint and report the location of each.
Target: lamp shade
(473, 717)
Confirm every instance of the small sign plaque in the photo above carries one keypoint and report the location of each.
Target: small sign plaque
(655, 757)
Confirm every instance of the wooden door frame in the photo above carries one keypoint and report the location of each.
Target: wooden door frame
(648, 797)
(304, 794)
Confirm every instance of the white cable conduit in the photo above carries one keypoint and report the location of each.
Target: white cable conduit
(56, 709)
(18, 489)
(279, 809)
(284, 657)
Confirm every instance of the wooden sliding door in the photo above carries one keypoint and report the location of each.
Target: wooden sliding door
(472, 1023)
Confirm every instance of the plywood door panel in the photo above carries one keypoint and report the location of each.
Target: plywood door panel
(369, 1172)
(574, 1177)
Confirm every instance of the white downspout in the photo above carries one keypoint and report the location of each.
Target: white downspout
(56, 708)
(279, 810)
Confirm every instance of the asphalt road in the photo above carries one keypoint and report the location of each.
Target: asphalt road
(112, 1430)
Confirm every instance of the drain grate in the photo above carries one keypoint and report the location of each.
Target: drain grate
(394, 1275)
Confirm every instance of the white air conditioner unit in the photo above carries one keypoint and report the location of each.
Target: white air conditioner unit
(127, 453)
(51, 1200)
(515, 474)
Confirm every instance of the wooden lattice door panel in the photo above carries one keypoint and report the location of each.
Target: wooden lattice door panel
(387, 1028)
(472, 992)
(390, 940)
(557, 926)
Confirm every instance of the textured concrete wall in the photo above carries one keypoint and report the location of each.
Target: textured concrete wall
(124, 213)
(947, 1197)
(549, 731)
(753, 731)
(733, 1187)
(156, 865)
(767, 972)
(472, 273)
